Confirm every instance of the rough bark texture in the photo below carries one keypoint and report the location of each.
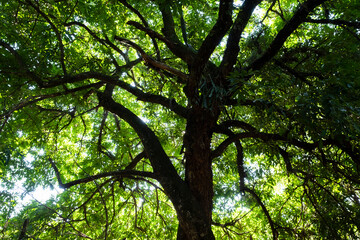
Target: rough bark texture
(198, 173)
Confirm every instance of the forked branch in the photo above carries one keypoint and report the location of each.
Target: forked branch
(152, 62)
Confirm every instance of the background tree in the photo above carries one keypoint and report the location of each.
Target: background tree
(188, 119)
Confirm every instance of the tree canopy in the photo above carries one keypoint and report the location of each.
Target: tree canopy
(180, 119)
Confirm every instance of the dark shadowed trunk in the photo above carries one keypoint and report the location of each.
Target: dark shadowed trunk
(198, 172)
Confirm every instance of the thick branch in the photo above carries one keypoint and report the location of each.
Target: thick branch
(240, 164)
(298, 18)
(232, 45)
(286, 158)
(266, 137)
(135, 161)
(153, 148)
(152, 62)
(22, 235)
(218, 31)
(173, 43)
(146, 97)
(212, 40)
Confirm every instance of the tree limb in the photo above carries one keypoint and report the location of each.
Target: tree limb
(57, 33)
(23, 66)
(22, 235)
(106, 42)
(152, 62)
(298, 18)
(34, 99)
(238, 124)
(212, 40)
(240, 165)
(266, 137)
(120, 173)
(232, 45)
(173, 43)
(266, 212)
(143, 96)
(143, 20)
(135, 161)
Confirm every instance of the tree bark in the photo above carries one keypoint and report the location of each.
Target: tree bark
(198, 172)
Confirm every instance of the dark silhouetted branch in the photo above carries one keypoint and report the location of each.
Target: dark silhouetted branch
(145, 23)
(120, 173)
(266, 212)
(298, 18)
(232, 45)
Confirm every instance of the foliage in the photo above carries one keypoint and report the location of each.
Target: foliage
(121, 103)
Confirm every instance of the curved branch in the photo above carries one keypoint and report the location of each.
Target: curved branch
(266, 137)
(106, 42)
(298, 18)
(35, 99)
(88, 75)
(286, 157)
(238, 124)
(22, 63)
(120, 173)
(153, 147)
(143, 96)
(135, 161)
(152, 62)
(143, 20)
(57, 33)
(266, 212)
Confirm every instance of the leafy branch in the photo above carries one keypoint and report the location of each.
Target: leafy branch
(57, 33)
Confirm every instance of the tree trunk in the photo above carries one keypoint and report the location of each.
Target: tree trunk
(198, 172)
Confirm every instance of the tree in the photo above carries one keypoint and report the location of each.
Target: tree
(230, 119)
